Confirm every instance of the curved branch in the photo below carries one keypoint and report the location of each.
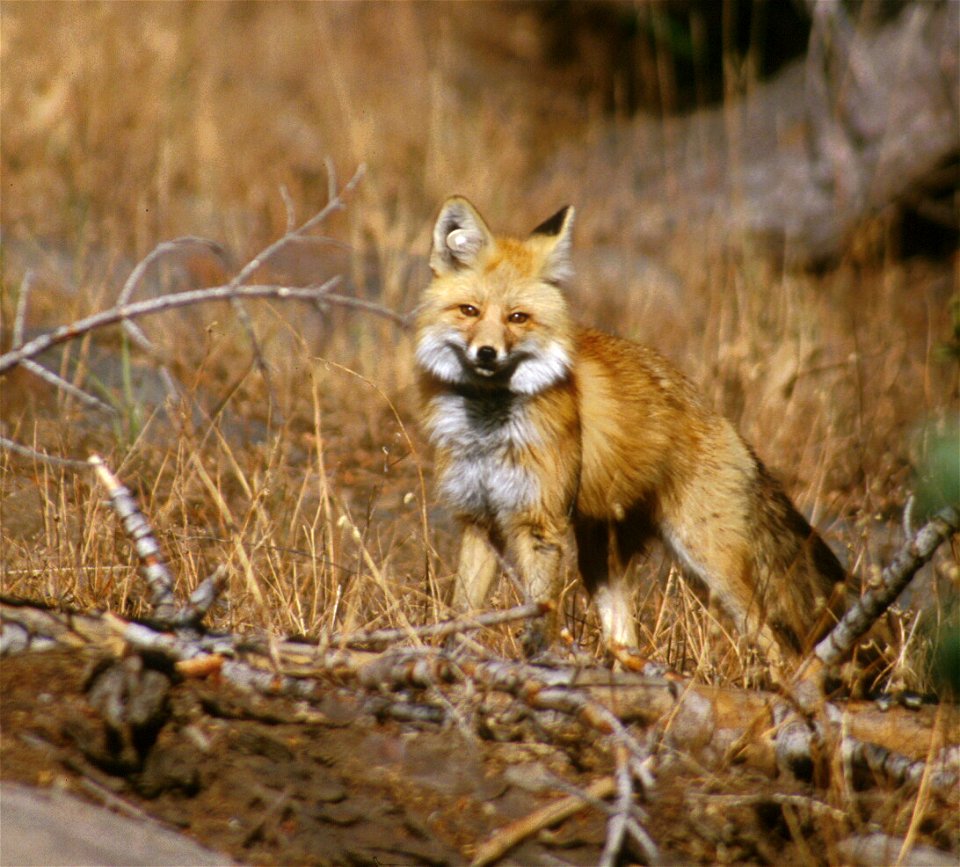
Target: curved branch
(113, 315)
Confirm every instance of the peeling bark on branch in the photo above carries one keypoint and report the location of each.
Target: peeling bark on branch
(704, 721)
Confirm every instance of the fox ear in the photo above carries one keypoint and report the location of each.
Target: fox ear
(458, 236)
(555, 238)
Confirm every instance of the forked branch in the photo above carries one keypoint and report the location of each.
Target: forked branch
(126, 312)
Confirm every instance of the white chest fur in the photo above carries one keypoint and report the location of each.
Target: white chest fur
(487, 440)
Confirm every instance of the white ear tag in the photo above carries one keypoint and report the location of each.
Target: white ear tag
(463, 243)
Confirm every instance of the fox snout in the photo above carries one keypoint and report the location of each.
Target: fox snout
(486, 359)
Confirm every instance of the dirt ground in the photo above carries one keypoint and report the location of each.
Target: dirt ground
(274, 781)
(266, 787)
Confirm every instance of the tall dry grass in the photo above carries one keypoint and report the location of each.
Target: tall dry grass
(128, 124)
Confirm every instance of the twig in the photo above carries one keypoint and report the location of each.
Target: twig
(133, 331)
(202, 599)
(893, 580)
(162, 249)
(34, 455)
(59, 382)
(152, 566)
(151, 306)
(365, 638)
(514, 833)
(335, 204)
(19, 329)
(861, 616)
(622, 821)
(616, 824)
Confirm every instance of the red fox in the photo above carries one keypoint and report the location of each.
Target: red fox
(558, 443)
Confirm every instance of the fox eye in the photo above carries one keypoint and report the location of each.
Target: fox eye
(469, 310)
(517, 317)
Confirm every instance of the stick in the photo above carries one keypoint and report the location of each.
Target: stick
(435, 630)
(875, 601)
(152, 566)
(135, 309)
(617, 823)
(893, 580)
(19, 326)
(508, 837)
(33, 454)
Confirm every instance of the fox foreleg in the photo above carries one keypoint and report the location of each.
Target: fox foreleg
(542, 552)
(476, 569)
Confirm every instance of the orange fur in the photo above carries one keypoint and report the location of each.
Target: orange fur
(558, 445)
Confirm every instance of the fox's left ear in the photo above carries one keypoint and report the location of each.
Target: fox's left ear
(555, 238)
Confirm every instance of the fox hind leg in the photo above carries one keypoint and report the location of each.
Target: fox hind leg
(597, 543)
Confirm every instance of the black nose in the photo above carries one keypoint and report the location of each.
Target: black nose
(486, 354)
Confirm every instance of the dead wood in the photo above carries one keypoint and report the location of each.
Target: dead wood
(125, 312)
(893, 580)
(153, 567)
(877, 598)
(640, 722)
(703, 720)
(801, 164)
(506, 838)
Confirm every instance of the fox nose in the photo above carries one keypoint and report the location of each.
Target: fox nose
(486, 354)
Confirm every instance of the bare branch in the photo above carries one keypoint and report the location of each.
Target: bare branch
(34, 455)
(153, 568)
(19, 329)
(133, 310)
(69, 388)
(617, 823)
(133, 331)
(335, 204)
(125, 311)
(893, 580)
(202, 599)
(516, 832)
(438, 630)
(164, 249)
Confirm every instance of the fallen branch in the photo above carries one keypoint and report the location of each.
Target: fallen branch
(551, 814)
(893, 580)
(872, 604)
(379, 637)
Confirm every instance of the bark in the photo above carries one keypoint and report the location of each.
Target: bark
(714, 724)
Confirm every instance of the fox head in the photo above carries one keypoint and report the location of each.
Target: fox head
(495, 315)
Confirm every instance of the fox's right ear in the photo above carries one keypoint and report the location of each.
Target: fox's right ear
(458, 236)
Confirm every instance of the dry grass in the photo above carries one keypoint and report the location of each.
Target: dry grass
(128, 124)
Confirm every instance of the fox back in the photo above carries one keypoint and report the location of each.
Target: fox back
(561, 446)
